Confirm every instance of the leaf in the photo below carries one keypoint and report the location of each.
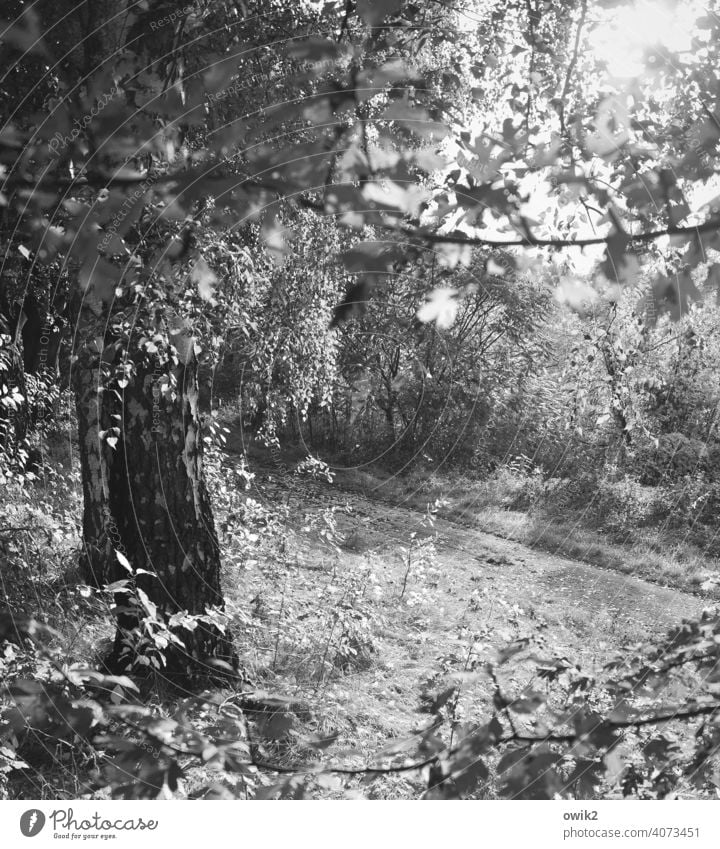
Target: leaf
(659, 750)
(531, 777)
(118, 587)
(510, 759)
(123, 561)
(495, 269)
(372, 80)
(492, 194)
(586, 777)
(441, 307)
(26, 687)
(374, 12)
(100, 275)
(674, 295)
(612, 123)
(303, 165)
(24, 33)
(577, 293)
(205, 278)
(173, 775)
(511, 649)
(314, 49)
(387, 195)
(371, 256)
(594, 730)
(434, 702)
(354, 303)
(614, 766)
(86, 674)
(216, 792)
(277, 726)
(222, 70)
(80, 718)
(221, 665)
(274, 238)
(528, 704)
(415, 119)
(450, 255)
(149, 606)
(329, 782)
(272, 791)
(619, 266)
(468, 774)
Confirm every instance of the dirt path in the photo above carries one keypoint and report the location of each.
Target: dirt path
(606, 598)
(481, 593)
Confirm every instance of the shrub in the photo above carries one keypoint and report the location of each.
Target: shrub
(673, 456)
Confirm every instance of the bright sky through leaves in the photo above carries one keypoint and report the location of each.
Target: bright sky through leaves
(631, 30)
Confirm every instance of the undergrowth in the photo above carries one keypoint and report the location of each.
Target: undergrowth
(662, 533)
(322, 615)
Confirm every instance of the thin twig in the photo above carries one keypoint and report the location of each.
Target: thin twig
(571, 68)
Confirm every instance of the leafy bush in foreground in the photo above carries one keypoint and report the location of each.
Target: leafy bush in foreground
(581, 736)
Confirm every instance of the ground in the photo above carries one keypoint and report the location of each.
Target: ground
(350, 599)
(342, 570)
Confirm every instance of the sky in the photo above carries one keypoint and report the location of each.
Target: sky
(636, 26)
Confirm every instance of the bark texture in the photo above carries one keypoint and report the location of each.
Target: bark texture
(145, 497)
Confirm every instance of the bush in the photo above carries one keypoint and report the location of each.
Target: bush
(672, 457)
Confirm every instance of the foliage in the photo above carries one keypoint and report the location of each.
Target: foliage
(74, 715)
(611, 734)
(587, 735)
(388, 236)
(346, 136)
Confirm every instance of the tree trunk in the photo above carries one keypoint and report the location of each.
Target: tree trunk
(94, 408)
(145, 497)
(14, 414)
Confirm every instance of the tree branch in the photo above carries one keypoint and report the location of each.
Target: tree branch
(368, 770)
(571, 68)
(688, 713)
(532, 241)
(529, 240)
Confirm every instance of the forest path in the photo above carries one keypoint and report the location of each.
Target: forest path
(479, 593)
(609, 601)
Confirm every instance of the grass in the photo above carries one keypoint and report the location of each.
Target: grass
(478, 592)
(327, 614)
(672, 556)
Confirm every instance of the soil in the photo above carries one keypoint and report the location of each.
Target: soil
(481, 593)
